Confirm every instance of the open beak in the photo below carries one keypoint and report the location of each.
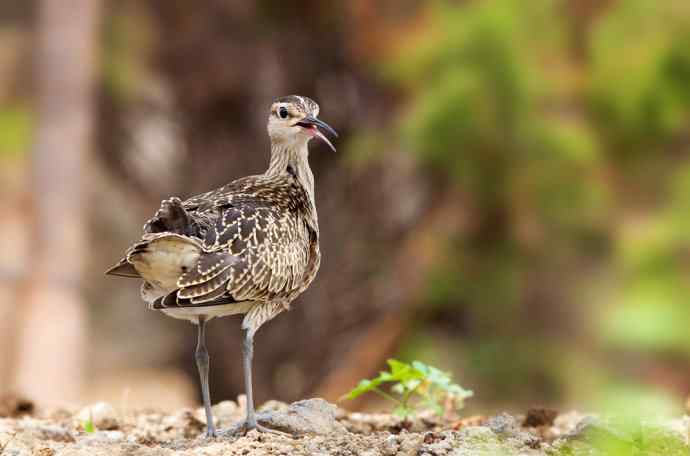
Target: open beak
(312, 124)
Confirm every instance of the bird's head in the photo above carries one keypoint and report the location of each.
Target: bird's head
(293, 121)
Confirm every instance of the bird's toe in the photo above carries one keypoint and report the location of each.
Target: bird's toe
(242, 428)
(261, 428)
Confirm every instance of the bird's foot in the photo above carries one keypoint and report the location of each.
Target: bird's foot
(245, 426)
(211, 433)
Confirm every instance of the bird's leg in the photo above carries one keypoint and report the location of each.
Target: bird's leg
(247, 356)
(202, 363)
(250, 421)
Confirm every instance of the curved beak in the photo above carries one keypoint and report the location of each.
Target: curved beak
(312, 124)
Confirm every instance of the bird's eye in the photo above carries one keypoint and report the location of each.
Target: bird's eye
(283, 112)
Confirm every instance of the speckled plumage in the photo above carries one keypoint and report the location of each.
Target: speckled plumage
(258, 242)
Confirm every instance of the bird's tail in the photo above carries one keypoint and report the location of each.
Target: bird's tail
(123, 269)
(171, 219)
(159, 256)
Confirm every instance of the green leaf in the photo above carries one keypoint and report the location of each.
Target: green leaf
(88, 426)
(386, 377)
(432, 374)
(442, 380)
(403, 372)
(399, 369)
(362, 387)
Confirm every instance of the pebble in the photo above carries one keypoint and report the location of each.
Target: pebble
(391, 445)
(311, 416)
(104, 437)
(101, 414)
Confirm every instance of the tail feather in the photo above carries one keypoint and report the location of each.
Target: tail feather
(162, 258)
(123, 269)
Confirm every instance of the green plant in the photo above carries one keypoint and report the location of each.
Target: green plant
(88, 426)
(414, 386)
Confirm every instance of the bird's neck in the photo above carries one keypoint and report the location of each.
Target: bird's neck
(293, 159)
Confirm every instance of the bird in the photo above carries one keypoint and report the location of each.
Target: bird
(249, 247)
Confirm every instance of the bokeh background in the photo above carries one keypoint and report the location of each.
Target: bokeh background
(510, 200)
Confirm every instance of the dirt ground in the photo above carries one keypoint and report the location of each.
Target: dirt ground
(321, 429)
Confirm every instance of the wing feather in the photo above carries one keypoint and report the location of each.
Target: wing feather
(257, 239)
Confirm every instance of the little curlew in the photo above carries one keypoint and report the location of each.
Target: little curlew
(250, 247)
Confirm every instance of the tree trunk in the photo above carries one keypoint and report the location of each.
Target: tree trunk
(53, 341)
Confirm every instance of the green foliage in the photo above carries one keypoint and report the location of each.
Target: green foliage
(88, 426)
(571, 168)
(478, 120)
(640, 56)
(480, 84)
(414, 386)
(649, 310)
(474, 90)
(639, 98)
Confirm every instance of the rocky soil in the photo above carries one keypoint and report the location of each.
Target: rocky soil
(319, 428)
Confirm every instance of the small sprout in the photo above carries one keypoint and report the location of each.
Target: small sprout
(416, 386)
(88, 426)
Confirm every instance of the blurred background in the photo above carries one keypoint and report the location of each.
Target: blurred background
(510, 199)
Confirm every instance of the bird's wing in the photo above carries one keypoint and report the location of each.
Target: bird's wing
(256, 244)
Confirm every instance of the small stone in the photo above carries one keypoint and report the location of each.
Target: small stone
(390, 445)
(437, 443)
(539, 417)
(273, 406)
(311, 416)
(187, 422)
(503, 424)
(566, 423)
(506, 427)
(224, 412)
(101, 414)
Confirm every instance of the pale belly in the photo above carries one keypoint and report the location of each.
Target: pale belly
(223, 310)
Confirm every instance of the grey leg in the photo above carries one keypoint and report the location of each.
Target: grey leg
(250, 421)
(202, 363)
(247, 355)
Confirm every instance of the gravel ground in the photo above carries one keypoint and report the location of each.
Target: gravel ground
(321, 429)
